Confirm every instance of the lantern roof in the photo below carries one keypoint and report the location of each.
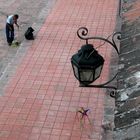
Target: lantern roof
(87, 57)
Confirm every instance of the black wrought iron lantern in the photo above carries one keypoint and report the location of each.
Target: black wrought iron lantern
(87, 64)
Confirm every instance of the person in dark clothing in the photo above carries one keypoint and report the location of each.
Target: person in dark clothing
(11, 20)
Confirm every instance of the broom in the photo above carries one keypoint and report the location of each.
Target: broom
(16, 43)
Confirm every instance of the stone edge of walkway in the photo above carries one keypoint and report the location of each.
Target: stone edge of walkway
(109, 109)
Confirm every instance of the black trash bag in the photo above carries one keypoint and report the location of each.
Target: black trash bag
(29, 34)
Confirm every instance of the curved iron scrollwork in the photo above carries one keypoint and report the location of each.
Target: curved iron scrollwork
(82, 33)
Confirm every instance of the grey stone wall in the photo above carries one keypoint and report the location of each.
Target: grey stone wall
(127, 113)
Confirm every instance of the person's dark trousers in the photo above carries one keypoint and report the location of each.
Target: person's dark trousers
(9, 33)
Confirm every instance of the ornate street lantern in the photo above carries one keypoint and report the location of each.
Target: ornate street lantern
(87, 63)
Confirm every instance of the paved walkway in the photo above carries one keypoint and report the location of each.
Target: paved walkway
(42, 97)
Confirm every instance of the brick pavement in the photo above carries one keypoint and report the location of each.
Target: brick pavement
(42, 97)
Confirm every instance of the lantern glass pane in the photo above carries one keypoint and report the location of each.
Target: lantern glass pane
(76, 71)
(86, 75)
(98, 71)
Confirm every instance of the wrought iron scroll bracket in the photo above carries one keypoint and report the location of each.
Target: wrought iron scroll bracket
(82, 33)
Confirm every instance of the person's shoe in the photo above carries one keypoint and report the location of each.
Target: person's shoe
(9, 44)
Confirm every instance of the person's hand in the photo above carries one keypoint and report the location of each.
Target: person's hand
(17, 26)
(10, 28)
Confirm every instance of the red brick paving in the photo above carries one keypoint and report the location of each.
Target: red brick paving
(41, 100)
